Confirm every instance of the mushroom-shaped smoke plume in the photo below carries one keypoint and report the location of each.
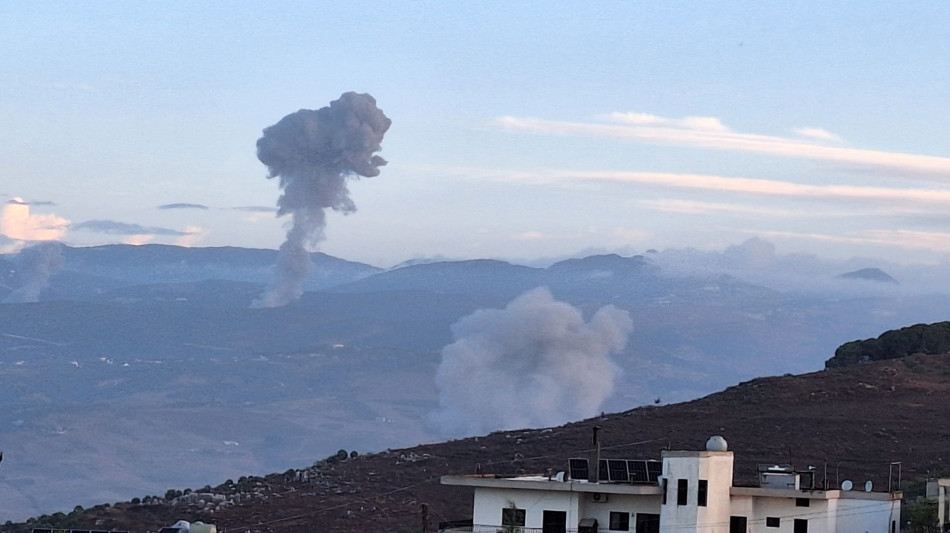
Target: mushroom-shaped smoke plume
(313, 152)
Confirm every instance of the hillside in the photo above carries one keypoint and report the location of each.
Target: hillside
(932, 339)
(850, 423)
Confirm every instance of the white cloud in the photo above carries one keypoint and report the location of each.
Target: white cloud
(138, 240)
(686, 133)
(689, 123)
(817, 133)
(906, 239)
(690, 207)
(18, 223)
(745, 185)
(529, 236)
(193, 235)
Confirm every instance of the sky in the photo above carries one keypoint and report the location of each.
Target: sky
(521, 131)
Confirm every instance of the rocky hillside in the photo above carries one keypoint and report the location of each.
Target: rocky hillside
(849, 423)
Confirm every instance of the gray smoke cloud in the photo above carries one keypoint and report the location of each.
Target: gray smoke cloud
(535, 363)
(34, 267)
(312, 153)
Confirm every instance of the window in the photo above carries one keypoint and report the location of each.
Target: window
(664, 491)
(802, 502)
(554, 522)
(648, 523)
(511, 516)
(772, 521)
(682, 488)
(619, 521)
(737, 524)
(703, 492)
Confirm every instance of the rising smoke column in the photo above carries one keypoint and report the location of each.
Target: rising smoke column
(534, 363)
(34, 266)
(313, 152)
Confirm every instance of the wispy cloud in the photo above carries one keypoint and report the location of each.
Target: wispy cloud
(817, 133)
(255, 209)
(256, 213)
(193, 235)
(112, 227)
(710, 133)
(182, 206)
(138, 234)
(742, 185)
(690, 207)
(907, 239)
(644, 119)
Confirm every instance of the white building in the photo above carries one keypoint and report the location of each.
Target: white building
(693, 493)
(941, 486)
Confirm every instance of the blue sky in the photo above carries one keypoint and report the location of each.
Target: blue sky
(520, 131)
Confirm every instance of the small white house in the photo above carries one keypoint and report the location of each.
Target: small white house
(692, 493)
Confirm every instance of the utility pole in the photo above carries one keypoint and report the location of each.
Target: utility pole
(425, 518)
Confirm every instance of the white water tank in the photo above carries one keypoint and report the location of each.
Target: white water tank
(201, 527)
(716, 444)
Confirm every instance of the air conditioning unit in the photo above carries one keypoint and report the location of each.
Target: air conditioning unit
(599, 497)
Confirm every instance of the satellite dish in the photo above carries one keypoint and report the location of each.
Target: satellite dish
(847, 485)
(560, 477)
(868, 486)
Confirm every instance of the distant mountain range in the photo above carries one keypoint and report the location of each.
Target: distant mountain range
(142, 368)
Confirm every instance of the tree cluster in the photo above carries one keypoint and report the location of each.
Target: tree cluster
(927, 339)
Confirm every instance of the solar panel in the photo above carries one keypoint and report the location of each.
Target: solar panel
(603, 471)
(578, 469)
(638, 471)
(654, 471)
(617, 470)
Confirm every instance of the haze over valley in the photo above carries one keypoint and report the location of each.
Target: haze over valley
(143, 368)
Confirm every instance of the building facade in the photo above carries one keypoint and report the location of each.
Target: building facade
(693, 494)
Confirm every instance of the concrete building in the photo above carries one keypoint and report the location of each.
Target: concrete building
(941, 486)
(688, 492)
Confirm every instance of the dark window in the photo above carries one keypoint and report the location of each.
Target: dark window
(703, 492)
(737, 524)
(801, 525)
(772, 521)
(648, 523)
(664, 491)
(802, 502)
(893, 526)
(554, 522)
(512, 517)
(619, 521)
(682, 488)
